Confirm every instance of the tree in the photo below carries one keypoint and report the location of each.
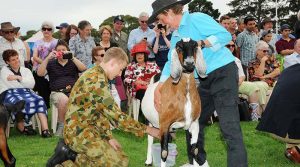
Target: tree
(287, 9)
(204, 7)
(130, 22)
(28, 34)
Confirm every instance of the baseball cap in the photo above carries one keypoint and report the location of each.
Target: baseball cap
(285, 26)
(118, 18)
(62, 25)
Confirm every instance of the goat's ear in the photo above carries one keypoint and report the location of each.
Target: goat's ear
(200, 63)
(176, 68)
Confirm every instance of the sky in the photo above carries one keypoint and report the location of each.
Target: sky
(29, 15)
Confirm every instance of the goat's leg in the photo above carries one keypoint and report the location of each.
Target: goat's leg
(136, 108)
(149, 150)
(194, 130)
(164, 148)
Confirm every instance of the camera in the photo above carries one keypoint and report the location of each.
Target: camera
(68, 55)
(160, 26)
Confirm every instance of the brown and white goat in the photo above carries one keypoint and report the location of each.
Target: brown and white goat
(7, 157)
(180, 101)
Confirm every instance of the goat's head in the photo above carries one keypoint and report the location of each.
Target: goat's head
(185, 58)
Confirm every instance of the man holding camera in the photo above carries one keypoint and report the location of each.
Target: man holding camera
(63, 70)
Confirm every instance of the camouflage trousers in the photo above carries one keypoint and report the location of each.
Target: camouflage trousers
(93, 151)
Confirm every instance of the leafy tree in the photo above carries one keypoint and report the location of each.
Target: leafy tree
(130, 22)
(287, 9)
(203, 6)
(28, 34)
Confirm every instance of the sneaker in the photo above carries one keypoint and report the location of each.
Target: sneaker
(59, 132)
(61, 154)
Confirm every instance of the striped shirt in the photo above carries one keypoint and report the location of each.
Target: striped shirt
(247, 41)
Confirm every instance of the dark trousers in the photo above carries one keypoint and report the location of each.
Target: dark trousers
(219, 91)
(42, 87)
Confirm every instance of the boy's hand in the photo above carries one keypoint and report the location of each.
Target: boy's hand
(115, 144)
(153, 132)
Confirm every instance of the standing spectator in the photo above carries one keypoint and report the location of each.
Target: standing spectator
(82, 44)
(232, 28)
(246, 42)
(285, 45)
(225, 21)
(297, 26)
(267, 37)
(219, 90)
(71, 32)
(63, 72)
(105, 37)
(267, 25)
(241, 26)
(161, 44)
(9, 41)
(41, 49)
(142, 34)
(118, 36)
(62, 30)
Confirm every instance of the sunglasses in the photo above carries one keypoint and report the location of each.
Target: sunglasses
(101, 55)
(46, 29)
(228, 46)
(144, 22)
(9, 32)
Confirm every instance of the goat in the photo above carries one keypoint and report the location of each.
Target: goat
(180, 101)
(5, 153)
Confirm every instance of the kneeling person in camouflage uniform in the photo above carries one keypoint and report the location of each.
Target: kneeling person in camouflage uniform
(88, 140)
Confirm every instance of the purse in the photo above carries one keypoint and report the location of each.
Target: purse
(244, 111)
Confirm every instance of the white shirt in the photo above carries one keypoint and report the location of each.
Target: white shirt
(291, 59)
(27, 79)
(17, 45)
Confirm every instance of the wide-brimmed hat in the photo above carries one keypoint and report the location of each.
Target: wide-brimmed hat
(139, 48)
(159, 6)
(6, 26)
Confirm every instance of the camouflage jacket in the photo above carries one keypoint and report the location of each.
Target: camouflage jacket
(92, 106)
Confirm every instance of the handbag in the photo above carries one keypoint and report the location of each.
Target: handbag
(244, 111)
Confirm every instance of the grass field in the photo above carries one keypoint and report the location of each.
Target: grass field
(263, 151)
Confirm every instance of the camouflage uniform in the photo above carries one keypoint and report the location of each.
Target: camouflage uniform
(91, 109)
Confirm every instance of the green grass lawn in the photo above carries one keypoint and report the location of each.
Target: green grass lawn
(263, 151)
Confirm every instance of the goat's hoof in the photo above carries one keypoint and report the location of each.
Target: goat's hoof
(148, 164)
(164, 154)
(196, 151)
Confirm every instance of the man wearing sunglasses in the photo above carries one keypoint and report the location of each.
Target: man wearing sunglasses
(142, 34)
(9, 41)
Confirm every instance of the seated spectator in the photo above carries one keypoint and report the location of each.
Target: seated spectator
(138, 75)
(281, 117)
(17, 83)
(256, 91)
(293, 58)
(63, 72)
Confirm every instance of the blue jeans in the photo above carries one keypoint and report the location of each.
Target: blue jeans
(219, 91)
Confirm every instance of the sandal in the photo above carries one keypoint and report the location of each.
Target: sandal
(28, 131)
(46, 134)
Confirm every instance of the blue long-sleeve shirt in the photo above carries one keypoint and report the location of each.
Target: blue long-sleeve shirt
(199, 26)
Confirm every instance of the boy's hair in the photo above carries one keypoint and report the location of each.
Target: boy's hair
(95, 51)
(115, 53)
(249, 18)
(8, 54)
